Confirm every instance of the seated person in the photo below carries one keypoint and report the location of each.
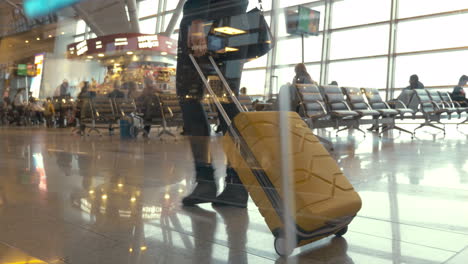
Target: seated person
(302, 76)
(116, 93)
(458, 94)
(414, 83)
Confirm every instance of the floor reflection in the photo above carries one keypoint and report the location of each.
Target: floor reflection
(120, 201)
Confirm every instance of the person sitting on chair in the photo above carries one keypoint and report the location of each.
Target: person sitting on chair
(458, 94)
(414, 83)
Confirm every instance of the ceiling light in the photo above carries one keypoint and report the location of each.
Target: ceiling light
(38, 38)
(89, 57)
(26, 41)
(100, 55)
(104, 197)
(227, 49)
(229, 30)
(120, 185)
(133, 199)
(50, 36)
(129, 52)
(143, 248)
(91, 192)
(164, 53)
(63, 33)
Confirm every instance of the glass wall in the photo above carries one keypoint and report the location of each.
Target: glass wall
(357, 47)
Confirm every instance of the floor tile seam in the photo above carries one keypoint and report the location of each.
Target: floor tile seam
(455, 255)
(20, 249)
(222, 245)
(83, 227)
(407, 242)
(414, 225)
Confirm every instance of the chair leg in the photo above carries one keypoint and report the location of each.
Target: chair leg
(359, 129)
(436, 127)
(95, 130)
(420, 126)
(403, 130)
(385, 130)
(464, 122)
(342, 129)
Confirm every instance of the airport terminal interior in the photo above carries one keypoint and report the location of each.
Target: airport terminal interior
(224, 131)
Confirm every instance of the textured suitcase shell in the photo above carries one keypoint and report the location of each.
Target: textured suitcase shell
(325, 201)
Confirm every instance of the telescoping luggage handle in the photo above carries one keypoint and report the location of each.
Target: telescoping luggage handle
(211, 92)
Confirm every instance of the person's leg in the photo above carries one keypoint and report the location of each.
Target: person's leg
(234, 193)
(198, 129)
(190, 91)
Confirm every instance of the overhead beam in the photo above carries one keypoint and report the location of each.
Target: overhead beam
(133, 14)
(175, 17)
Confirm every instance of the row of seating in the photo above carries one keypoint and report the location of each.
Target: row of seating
(328, 106)
(105, 111)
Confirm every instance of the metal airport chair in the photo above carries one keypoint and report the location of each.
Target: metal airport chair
(377, 103)
(339, 110)
(460, 109)
(436, 98)
(174, 111)
(430, 110)
(355, 99)
(313, 107)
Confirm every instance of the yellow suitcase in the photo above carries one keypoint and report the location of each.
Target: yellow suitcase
(323, 200)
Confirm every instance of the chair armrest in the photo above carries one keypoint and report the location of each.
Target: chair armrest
(395, 101)
(368, 106)
(321, 105)
(388, 106)
(449, 105)
(436, 105)
(171, 114)
(346, 104)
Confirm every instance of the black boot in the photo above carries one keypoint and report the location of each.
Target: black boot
(234, 194)
(205, 191)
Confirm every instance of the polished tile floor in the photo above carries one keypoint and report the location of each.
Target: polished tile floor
(66, 199)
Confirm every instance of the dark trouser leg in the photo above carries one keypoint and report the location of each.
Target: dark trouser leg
(198, 129)
(234, 193)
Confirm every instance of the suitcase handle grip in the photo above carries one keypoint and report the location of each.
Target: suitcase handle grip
(211, 92)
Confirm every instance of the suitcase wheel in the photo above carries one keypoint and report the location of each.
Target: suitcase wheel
(342, 232)
(281, 248)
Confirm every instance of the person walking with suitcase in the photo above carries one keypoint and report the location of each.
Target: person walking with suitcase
(190, 89)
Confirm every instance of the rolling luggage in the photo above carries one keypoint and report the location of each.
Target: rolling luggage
(324, 201)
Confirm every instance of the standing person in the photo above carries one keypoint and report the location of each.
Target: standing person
(190, 89)
(302, 76)
(458, 94)
(19, 104)
(414, 83)
(49, 112)
(64, 88)
(82, 106)
(149, 103)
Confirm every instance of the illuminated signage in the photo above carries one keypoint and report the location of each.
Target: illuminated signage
(22, 70)
(146, 42)
(98, 44)
(121, 42)
(81, 48)
(37, 81)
